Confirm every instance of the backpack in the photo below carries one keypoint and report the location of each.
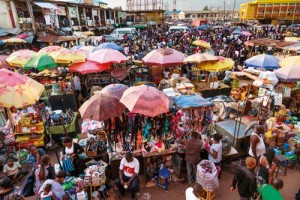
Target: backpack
(27, 190)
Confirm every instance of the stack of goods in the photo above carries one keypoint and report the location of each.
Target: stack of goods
(75, 188)
(95, 174)
(30, 130)
(239, 93)
(57, 117)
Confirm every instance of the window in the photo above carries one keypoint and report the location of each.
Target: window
(284, 4)
(260, 12)
(269, 5)
(292, 4)
(261, 5)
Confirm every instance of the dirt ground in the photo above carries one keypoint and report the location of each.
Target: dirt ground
(177, 189)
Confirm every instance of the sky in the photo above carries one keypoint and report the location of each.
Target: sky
(185, 4)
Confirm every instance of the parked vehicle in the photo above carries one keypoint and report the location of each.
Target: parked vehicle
(120, 32)
(179, 28)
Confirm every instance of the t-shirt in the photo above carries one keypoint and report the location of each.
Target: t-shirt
(217, 148)
(129, 168)
(57, 188)
(189, 195)
(268, 192)
(11, 170)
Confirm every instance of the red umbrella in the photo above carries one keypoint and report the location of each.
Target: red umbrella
(145, 100)
(107, 56)
(3, 63)
(101, 107)
(88, 67)
(164, 57)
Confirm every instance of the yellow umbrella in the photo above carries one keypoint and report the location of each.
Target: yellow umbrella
(201, 43)
(221, 65)
(69, 56)
(20, 58)
(14, 41)
(200, 57)
(290, 61)
(52, 50)
(88, 33)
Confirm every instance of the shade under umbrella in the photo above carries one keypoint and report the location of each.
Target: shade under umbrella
(18, 90)
(145, 100)
(164, 57)
(3, 63)
(40, 61)
(101, 107)
(263, 61)
(115, 90)
(88, 67)
(107, 56)
(289, 73)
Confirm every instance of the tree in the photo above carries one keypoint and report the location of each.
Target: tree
(205, 8)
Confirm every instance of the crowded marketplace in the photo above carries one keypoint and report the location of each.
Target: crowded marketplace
(172, 109)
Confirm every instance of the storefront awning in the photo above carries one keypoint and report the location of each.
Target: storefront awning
(46, 5)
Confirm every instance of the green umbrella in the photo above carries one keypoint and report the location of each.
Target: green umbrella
(40, 61)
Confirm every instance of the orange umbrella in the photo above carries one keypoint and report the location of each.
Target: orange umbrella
(20, 58)
(52, 49)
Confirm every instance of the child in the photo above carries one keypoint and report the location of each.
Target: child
(13, 170)
(47, 193)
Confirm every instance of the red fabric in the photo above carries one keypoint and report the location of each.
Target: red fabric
(128, 169)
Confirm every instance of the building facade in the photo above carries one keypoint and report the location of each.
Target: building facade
(56, 14)
(271, 11)
(213, 15)
(175, 14)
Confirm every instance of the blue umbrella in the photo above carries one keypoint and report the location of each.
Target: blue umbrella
(76, 47)
(263, 61)
(238, 32)
(108, 45)
(202, 27)
(188, 101)
(2, 43)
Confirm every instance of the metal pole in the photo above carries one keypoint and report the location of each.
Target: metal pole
(224, 13)
(233, 10)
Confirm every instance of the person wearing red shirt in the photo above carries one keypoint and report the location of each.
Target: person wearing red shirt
(128, 175)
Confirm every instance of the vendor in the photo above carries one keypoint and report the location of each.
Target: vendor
(261, 121)
(73, 150)
(33, 158)
(128, 175)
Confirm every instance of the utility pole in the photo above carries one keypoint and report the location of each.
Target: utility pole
(233, 10)
(224, 12)
(29, 7)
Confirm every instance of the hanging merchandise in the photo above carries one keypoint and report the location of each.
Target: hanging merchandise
(277, 99)
(287, 92)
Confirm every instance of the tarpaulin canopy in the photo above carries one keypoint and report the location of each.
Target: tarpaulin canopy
(189, 101)
(46, 5)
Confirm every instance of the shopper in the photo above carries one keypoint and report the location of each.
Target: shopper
(271, 191)
(244, 179)
(195, 193)
(34, 156)
(13, 170)
(261, 121)
(215, 151)
(128, 175)
(7, 191)
(193, 147)
(257, 145)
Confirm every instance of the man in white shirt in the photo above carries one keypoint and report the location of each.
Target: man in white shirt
(128, 175)
(57, 188)
(195, 193)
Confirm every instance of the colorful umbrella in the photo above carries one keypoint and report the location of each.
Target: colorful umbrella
(263, 61)
(68, 56)
(289, 73)
(76, 47)
(108, 45)
(201, 43)
(88, 49)
(221, 65)
(107, 56)
(18, 90)
(145, 100)
(115, 90)
(164, 57)
(88, 67)
(191, 101)
(101, 107)
(290, 61)
(40, 61)
(52, 50)
(200, 57)
(246, 33)
(14, 41)
(3, 63)
(20, 58)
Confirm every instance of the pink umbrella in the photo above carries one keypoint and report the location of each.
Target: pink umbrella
(101, 107)
(145, 100)
(246, 33)
(88, 67)
(115, 90)
(164, 57)
(3, 63)
(22, 36)
(107, 56)
(289, 73)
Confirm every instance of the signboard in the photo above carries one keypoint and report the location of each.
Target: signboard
(72, 12)
(121, 14)
(61, 11)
